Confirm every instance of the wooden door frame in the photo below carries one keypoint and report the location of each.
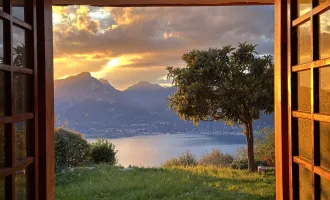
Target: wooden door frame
(46, 151)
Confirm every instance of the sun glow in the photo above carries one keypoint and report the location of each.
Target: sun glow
(113, 63)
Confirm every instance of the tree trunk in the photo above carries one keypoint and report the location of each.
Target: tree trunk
(250, 148)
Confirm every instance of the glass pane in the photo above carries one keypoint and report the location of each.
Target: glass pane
(2, 94)
(304, 6)
(324, 93)
(325, 35)
(1, 41)
(19, 47)
(305, 184)
(20, 185)
(18, 11)
(322, 1)
(305, 139)
(304, 43)
(2, 146)
(2, 189)
(325, 189)
(20, 140)
(304, 91)
(325, 145)
(22, 97)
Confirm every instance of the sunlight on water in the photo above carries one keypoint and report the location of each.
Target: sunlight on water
(151, 151)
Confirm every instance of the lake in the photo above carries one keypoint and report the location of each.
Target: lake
(151, 151)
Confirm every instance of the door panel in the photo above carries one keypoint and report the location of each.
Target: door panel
(309, 58)
(18, 132)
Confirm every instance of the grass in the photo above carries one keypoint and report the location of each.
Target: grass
(106, 182)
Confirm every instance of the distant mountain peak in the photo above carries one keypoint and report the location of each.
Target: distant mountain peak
(144, 86)
(106, 84)
(84, 75)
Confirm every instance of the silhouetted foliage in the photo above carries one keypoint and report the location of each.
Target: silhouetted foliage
(216, 158)
(103, 151)
(265, 147)
(71, 149)
(184, 159)
(227, 84)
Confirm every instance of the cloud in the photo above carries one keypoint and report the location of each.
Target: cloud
(159, 35)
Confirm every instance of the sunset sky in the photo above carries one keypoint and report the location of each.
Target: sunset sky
(127, 45)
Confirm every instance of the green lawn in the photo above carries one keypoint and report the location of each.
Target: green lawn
(105, 182)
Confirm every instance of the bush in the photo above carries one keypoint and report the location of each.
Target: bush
(103, 151)
(265, 147)
(264, 150)
(216, 158)
(71, 149)
(185, 159)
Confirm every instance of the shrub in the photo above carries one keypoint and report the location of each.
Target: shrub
(103, 151)
(216, 158)
(265, 147)
(185, 159)
(71, 149)
(264, 150)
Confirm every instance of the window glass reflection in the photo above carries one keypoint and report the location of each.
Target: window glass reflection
(304, 91)
(324, 35)
(324, 90)
(304, 43)
(20, 140)
(325, 145)
(304, 6)
(19, 54)
(20, 185)
(305, 184)
(304, 139)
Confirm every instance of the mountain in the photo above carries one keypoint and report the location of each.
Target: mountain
(95, 108)
(144, 86)
(149, 96)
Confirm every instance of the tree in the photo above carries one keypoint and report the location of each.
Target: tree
(229, 84)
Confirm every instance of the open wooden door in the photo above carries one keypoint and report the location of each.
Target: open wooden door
(26, 100)
(309, 98)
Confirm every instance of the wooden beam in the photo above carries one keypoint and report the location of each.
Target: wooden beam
(46, 147)
(281, 100)
(146, 3)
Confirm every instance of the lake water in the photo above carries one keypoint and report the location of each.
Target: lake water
(151, 151)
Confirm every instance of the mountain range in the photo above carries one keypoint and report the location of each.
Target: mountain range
(96, 108)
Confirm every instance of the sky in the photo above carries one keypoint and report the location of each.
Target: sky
(128, 45)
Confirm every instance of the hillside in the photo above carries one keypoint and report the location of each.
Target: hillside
(94, 107)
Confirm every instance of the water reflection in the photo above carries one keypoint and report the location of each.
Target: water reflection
(154, 150)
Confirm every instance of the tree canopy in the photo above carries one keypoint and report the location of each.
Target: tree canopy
(229, 84)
